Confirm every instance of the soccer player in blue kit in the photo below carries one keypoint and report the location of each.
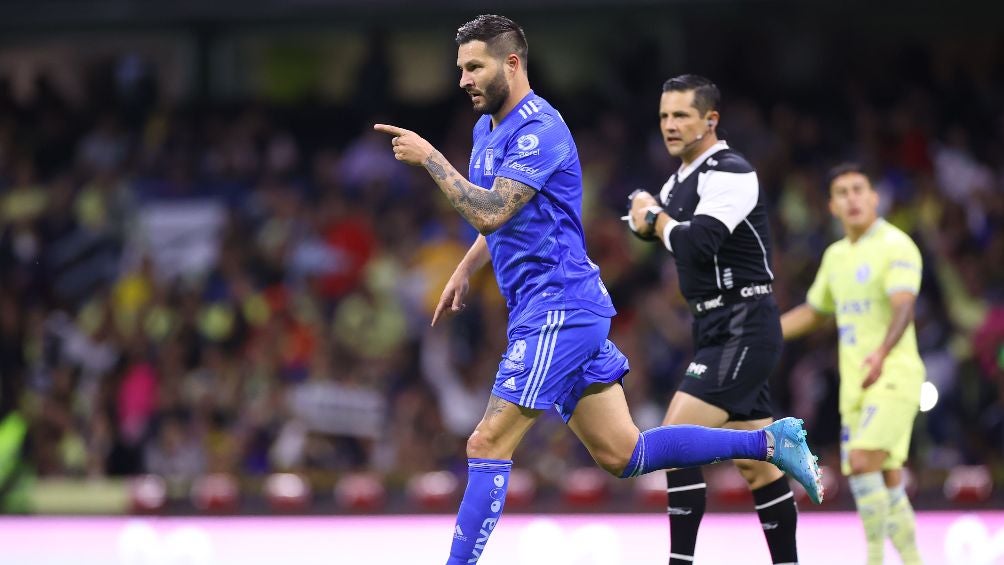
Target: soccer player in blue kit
(524, 197)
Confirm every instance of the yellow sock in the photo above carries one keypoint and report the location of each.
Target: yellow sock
(900, 526)
(872, 501)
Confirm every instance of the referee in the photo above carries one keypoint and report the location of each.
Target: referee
(711, 216)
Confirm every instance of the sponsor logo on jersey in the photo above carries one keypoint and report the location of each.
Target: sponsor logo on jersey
(527, 142)
(527, 145)
(696, 370)
(901, 264)
(847, 335)
(523, 168)
(856, 306)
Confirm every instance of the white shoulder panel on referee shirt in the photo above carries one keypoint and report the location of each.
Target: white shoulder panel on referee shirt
(666, 189)
(727, 197)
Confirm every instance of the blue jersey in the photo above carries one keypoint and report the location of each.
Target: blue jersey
(539, 255)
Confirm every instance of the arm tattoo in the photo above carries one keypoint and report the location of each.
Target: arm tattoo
(437, 170)
(486, 210)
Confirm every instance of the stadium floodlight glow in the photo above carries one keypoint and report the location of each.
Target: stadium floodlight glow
(928, 396)
(286, 485)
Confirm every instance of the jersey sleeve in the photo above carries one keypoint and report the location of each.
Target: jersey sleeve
(536, 150)
(820, 295)
(904, 270)
(728, 197)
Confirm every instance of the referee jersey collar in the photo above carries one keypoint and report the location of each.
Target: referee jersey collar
(684, 172)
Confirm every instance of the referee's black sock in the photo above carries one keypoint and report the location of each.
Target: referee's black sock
(775, 504)
(687, 494)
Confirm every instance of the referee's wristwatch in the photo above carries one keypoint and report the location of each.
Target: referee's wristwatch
(651, 216)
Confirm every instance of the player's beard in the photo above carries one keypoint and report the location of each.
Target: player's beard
(494, 95)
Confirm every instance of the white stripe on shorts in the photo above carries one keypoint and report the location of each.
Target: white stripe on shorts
(550, 355)
(544, 333)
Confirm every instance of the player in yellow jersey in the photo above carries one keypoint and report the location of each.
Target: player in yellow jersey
(869, 280)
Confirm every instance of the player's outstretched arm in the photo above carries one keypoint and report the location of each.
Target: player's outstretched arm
(486, 210)
(801, 320)
(452, 299)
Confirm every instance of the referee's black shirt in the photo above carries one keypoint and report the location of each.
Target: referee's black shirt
(722, 241)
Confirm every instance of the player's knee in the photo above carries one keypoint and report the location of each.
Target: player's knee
(480, 445)
(865, 462)
(757, 473)
(860, 466)
(747, 469)
(613, 461)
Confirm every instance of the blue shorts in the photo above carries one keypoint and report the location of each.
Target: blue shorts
(552, 357)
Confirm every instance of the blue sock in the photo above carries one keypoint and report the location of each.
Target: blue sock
(669, 447)
(481, 508)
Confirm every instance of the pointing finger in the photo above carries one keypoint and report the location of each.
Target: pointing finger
(388, 129)
(439, 309)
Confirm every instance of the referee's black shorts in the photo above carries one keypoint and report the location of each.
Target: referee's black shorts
(738, 347)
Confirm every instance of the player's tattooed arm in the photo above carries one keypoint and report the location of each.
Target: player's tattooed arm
(486, 210)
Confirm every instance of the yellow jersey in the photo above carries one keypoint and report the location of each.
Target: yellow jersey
(854, 283)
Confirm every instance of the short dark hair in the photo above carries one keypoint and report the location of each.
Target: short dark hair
(707, 97)
(845, 168)
(502, 35)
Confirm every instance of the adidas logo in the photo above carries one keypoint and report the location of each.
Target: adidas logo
(459, 534)
(510, 384)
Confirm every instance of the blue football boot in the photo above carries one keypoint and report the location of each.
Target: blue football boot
(792, 455)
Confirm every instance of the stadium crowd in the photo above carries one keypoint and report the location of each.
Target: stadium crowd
(247, 287)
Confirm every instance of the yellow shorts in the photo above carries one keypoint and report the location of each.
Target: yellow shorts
(878, 423)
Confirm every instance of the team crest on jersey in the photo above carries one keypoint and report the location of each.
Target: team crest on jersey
(863, 272)
(489, 161)
(514, 361)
